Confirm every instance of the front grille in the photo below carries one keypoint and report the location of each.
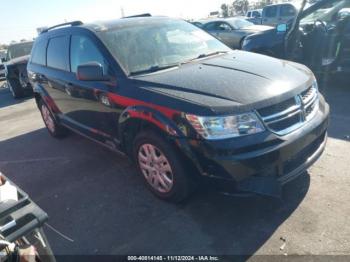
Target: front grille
(289, 115)
(267, 111)
(285, 123)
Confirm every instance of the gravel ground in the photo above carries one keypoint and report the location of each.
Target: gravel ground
(96, 198)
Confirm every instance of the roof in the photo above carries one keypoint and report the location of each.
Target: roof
(124, 22)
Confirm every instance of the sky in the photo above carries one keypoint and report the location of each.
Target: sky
(22, 17)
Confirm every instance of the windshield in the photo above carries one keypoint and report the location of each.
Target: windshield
(19, 50)
(158, 43)
(326, 12)
(238, 23)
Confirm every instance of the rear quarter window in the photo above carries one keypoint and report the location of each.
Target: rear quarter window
(39, 52)
(58, 53)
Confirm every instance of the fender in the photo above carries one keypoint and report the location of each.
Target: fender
(164, 123)
(148, 114)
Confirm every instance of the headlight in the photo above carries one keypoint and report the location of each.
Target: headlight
(315, 84)
(221, 127)
(245, 42)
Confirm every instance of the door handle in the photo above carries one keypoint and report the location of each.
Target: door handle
(7, 226)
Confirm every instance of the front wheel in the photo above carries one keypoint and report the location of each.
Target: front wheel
(54, 128)
(161, 167)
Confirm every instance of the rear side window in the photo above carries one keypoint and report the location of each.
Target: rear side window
(271, 11)
(287, 10)
(256, 14)
(83, 50)
(39, 52)
(58, 53)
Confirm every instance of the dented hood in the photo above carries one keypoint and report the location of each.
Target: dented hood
(231, 81)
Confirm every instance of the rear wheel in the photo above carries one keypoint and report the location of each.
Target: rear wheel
(161, 167)
(54, 128)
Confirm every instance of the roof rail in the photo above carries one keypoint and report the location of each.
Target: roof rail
(141, 15)
(73, 23)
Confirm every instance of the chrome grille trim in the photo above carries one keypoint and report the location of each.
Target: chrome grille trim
(306, 106)
(283, 118)
(278, 115)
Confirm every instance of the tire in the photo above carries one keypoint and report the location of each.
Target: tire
(53, 127)
(181, 186)
(15, 88)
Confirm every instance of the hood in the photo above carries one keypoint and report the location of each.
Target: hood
(19, 60)
(237, 81)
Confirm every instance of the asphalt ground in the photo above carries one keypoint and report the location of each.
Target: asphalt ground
(96, 198)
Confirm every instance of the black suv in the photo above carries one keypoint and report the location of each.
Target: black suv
(180, 103)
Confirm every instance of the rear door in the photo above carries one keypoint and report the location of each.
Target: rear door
(57, 72)
(270, 15)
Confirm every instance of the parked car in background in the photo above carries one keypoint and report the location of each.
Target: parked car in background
(278, 14)
(320, 39)
(254, 16)
(180, 103)
(197, 23)
(2, 71)
(2, 66)
(233, 30)
(16, 68)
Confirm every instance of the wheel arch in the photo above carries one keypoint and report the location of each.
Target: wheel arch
(141, 118)
(134, 119)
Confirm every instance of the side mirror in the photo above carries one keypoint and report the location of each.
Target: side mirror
(92, 71)
(282, 28)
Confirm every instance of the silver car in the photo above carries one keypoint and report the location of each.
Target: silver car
(233, 30)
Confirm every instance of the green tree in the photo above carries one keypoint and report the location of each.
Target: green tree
(240, 6)
(224, 10)
(261, 4)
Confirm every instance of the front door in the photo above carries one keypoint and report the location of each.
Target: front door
(92, 111)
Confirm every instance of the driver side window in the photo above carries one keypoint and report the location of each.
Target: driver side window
(82, 51)
(223, 27)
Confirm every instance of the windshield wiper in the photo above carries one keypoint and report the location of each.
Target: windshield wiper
(153, 69)
(205, 55)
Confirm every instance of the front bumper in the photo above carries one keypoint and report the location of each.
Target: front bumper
(262, 163)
